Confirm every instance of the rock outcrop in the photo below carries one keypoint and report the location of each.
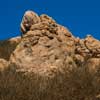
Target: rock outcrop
(49, 63)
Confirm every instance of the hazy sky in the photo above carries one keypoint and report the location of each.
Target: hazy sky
(80, 16)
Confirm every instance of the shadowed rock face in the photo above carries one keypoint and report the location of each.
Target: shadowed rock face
(49, 63)
(8, 46)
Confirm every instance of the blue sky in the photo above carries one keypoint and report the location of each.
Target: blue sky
(80, 16)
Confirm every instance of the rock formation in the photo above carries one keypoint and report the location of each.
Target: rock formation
(49, 63)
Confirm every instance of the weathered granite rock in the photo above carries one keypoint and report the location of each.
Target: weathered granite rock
(29, 18)
(49, 63)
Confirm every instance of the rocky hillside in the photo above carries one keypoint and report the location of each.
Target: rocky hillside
(48, 63)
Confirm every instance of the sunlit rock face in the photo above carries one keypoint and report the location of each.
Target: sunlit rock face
(48, 63)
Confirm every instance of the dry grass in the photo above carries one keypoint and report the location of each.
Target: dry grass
(78, 85)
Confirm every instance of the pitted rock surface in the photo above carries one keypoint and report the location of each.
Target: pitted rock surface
(43, 47)
(29, 19)
(88, 47)
(49, 63)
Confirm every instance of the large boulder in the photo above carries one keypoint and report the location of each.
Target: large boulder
(44, 58)
(29, 19)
